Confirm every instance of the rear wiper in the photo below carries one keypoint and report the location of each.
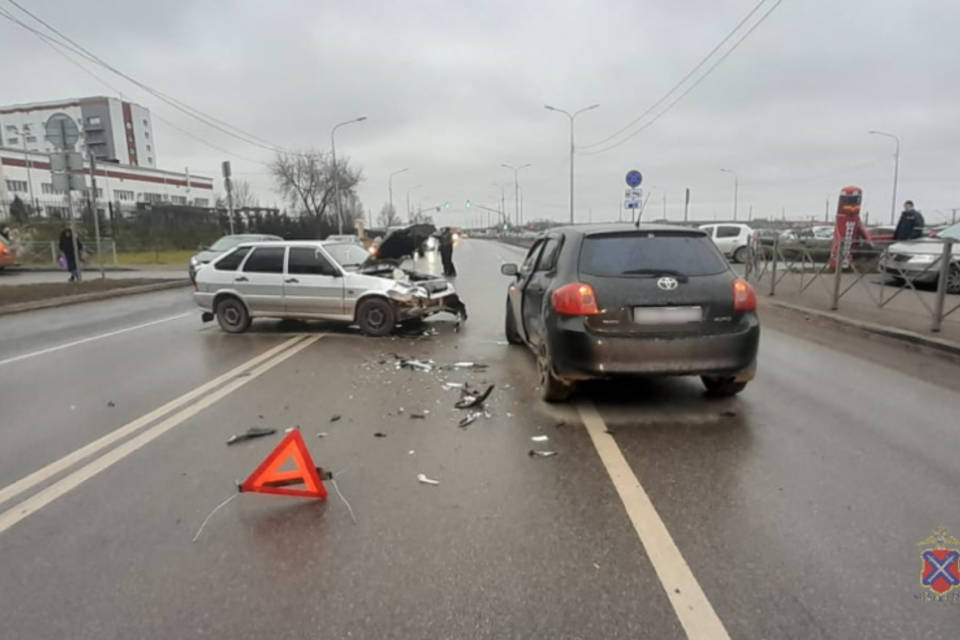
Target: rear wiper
(655, 273)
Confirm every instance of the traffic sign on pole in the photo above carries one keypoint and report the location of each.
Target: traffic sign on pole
(634, 178)
(61, 131)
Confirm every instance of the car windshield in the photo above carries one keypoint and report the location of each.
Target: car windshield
(347, 254)
(649, 254)
(951, 232)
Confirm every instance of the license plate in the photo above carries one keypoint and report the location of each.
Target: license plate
(667, 315)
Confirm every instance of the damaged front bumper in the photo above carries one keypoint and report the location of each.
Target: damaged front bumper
(426, 298)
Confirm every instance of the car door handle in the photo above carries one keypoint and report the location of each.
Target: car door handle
(291, 280)
(241, 279)
(535, 289)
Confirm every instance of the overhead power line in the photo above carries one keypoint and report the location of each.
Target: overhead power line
(700, 79)
(206, 119)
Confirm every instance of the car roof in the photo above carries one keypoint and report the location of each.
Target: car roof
(292, 243)
(617, 227)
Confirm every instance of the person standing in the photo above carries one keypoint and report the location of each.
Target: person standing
(69, 256)
(446, 252)
(911, 223)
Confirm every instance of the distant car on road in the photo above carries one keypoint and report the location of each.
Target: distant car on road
(317, 279)
(7, 256)
(609, 300)
(919, 260)
(732, 239)
(221, 246)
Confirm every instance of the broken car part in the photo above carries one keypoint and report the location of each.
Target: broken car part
(249, 434)
(422, 477)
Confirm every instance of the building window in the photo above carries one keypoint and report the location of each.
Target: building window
(145, 124)
(12, 128)
(13, 140)
(129, 125)
(47, 189)
(31, 138)
(17, 186)
(95, 121)
(201, 202)
(146, 134)
(122, 195)
(148, 147)
(152, 197)
(149, 160)
(178, 199)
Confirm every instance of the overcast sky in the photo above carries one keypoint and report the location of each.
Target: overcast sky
(452, 90)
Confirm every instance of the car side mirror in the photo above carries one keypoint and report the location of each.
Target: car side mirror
(509, 269)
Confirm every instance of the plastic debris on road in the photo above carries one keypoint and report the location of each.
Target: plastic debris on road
(379, 434)
(335, 418)
(541, 454)
(322, 434)
(249, 434)
(422, 477)
(414, 364)
(447, 386)
(470, 399)
(469, 419)
(539, 438)
(419, 416)
(111, 404)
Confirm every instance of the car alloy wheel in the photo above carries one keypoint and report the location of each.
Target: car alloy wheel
(953, 279)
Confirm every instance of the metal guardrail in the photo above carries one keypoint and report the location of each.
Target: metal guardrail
(47, 253)
(873, 271)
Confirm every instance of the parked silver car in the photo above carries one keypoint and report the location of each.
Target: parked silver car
(318, 279)
(919, 260)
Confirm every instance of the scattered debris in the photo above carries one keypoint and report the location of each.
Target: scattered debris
(476, 366)
(419, 416)
(335, 419)
(260, 416)
(411, 452)
(252, 432)
(596, 566)
(541, 454)
(470, 400)
(539, 438)
(453, 385)
(414, 364)
(422, 477)
(509, 415)
(289, 429)
(560, 425)
(379, 434)
(322, 434)
(469, 419)
(111, 403)
(608, 431)
(729, 413)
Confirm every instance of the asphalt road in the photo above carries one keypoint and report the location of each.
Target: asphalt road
(791, 511)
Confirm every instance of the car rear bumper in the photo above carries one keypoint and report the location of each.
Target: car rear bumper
(914, 275)
(580, 354)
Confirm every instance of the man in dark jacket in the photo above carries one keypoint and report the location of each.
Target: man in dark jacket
(911, 223)
(69, 255)
(446, 252)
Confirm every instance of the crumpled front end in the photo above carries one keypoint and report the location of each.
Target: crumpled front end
(426, 298)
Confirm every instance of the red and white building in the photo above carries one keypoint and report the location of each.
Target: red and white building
(26, 175)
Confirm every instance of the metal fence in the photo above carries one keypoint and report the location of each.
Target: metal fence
(874, 276)
(47, 253)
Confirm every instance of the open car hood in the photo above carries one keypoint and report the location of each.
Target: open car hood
(404, 242)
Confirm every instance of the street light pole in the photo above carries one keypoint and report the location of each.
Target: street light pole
(390, 185)
(336, 171)
(516, 188)
(409, 210)
(736, 191)
(572, 117)
(896, 172)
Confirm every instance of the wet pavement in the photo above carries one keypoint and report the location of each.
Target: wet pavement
(796, 506)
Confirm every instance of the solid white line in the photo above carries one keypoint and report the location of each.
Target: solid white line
(93, 338)
(67, 461)
(695, 612)
(39, 500)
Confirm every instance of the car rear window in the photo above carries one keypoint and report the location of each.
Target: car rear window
(728, 232)
(265, 260)
(645, 253)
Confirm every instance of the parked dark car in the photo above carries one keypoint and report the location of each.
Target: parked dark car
(615, 300)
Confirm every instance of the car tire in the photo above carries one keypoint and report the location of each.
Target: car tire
(953, 279)
(740, 255)
(722, 387)
(376, 317)
(510, 326)
(552, 389)
(232, 315)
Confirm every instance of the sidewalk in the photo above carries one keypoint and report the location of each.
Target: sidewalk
(14, 276)
(903, 309)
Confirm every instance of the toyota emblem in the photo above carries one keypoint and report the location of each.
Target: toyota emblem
(667, 284)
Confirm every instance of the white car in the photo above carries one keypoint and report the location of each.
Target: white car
(732, 239)
(318, 279)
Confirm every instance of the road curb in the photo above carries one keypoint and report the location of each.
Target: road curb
(93, 296)
(947, 346)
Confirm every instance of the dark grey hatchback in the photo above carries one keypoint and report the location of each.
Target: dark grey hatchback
(617, 300)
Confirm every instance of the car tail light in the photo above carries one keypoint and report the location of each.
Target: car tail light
(576, 299)
(744, 297)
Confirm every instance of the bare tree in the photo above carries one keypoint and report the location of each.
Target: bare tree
(306, 181)
(388, 216)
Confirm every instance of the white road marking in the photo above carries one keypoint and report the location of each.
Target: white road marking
(39, 500)
(695, 612)
(70, 459)
(101, 336)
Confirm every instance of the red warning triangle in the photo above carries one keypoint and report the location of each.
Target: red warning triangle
(268, 478)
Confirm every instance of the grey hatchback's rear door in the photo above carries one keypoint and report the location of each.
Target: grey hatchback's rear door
(260, 282)
(312, 286)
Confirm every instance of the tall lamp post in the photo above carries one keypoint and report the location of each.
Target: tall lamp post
(336, 171)
(516, 188)
(736, 191)
(572, 117)
(896, 171)
(409, 210)
(390, 185)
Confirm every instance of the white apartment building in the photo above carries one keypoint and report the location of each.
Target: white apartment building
(26, 175)
(114, 130)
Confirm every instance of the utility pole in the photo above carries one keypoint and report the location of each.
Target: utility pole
(826, 210)
(73, 224)
(686, 204)
(953, 219)
(24, 130)
(93, 207)
(390, 189)
(516, 188)
(228, 185)
(750, 213)
(664, 204)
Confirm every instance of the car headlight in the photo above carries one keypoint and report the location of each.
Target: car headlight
(194, 262)
(923, 258)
